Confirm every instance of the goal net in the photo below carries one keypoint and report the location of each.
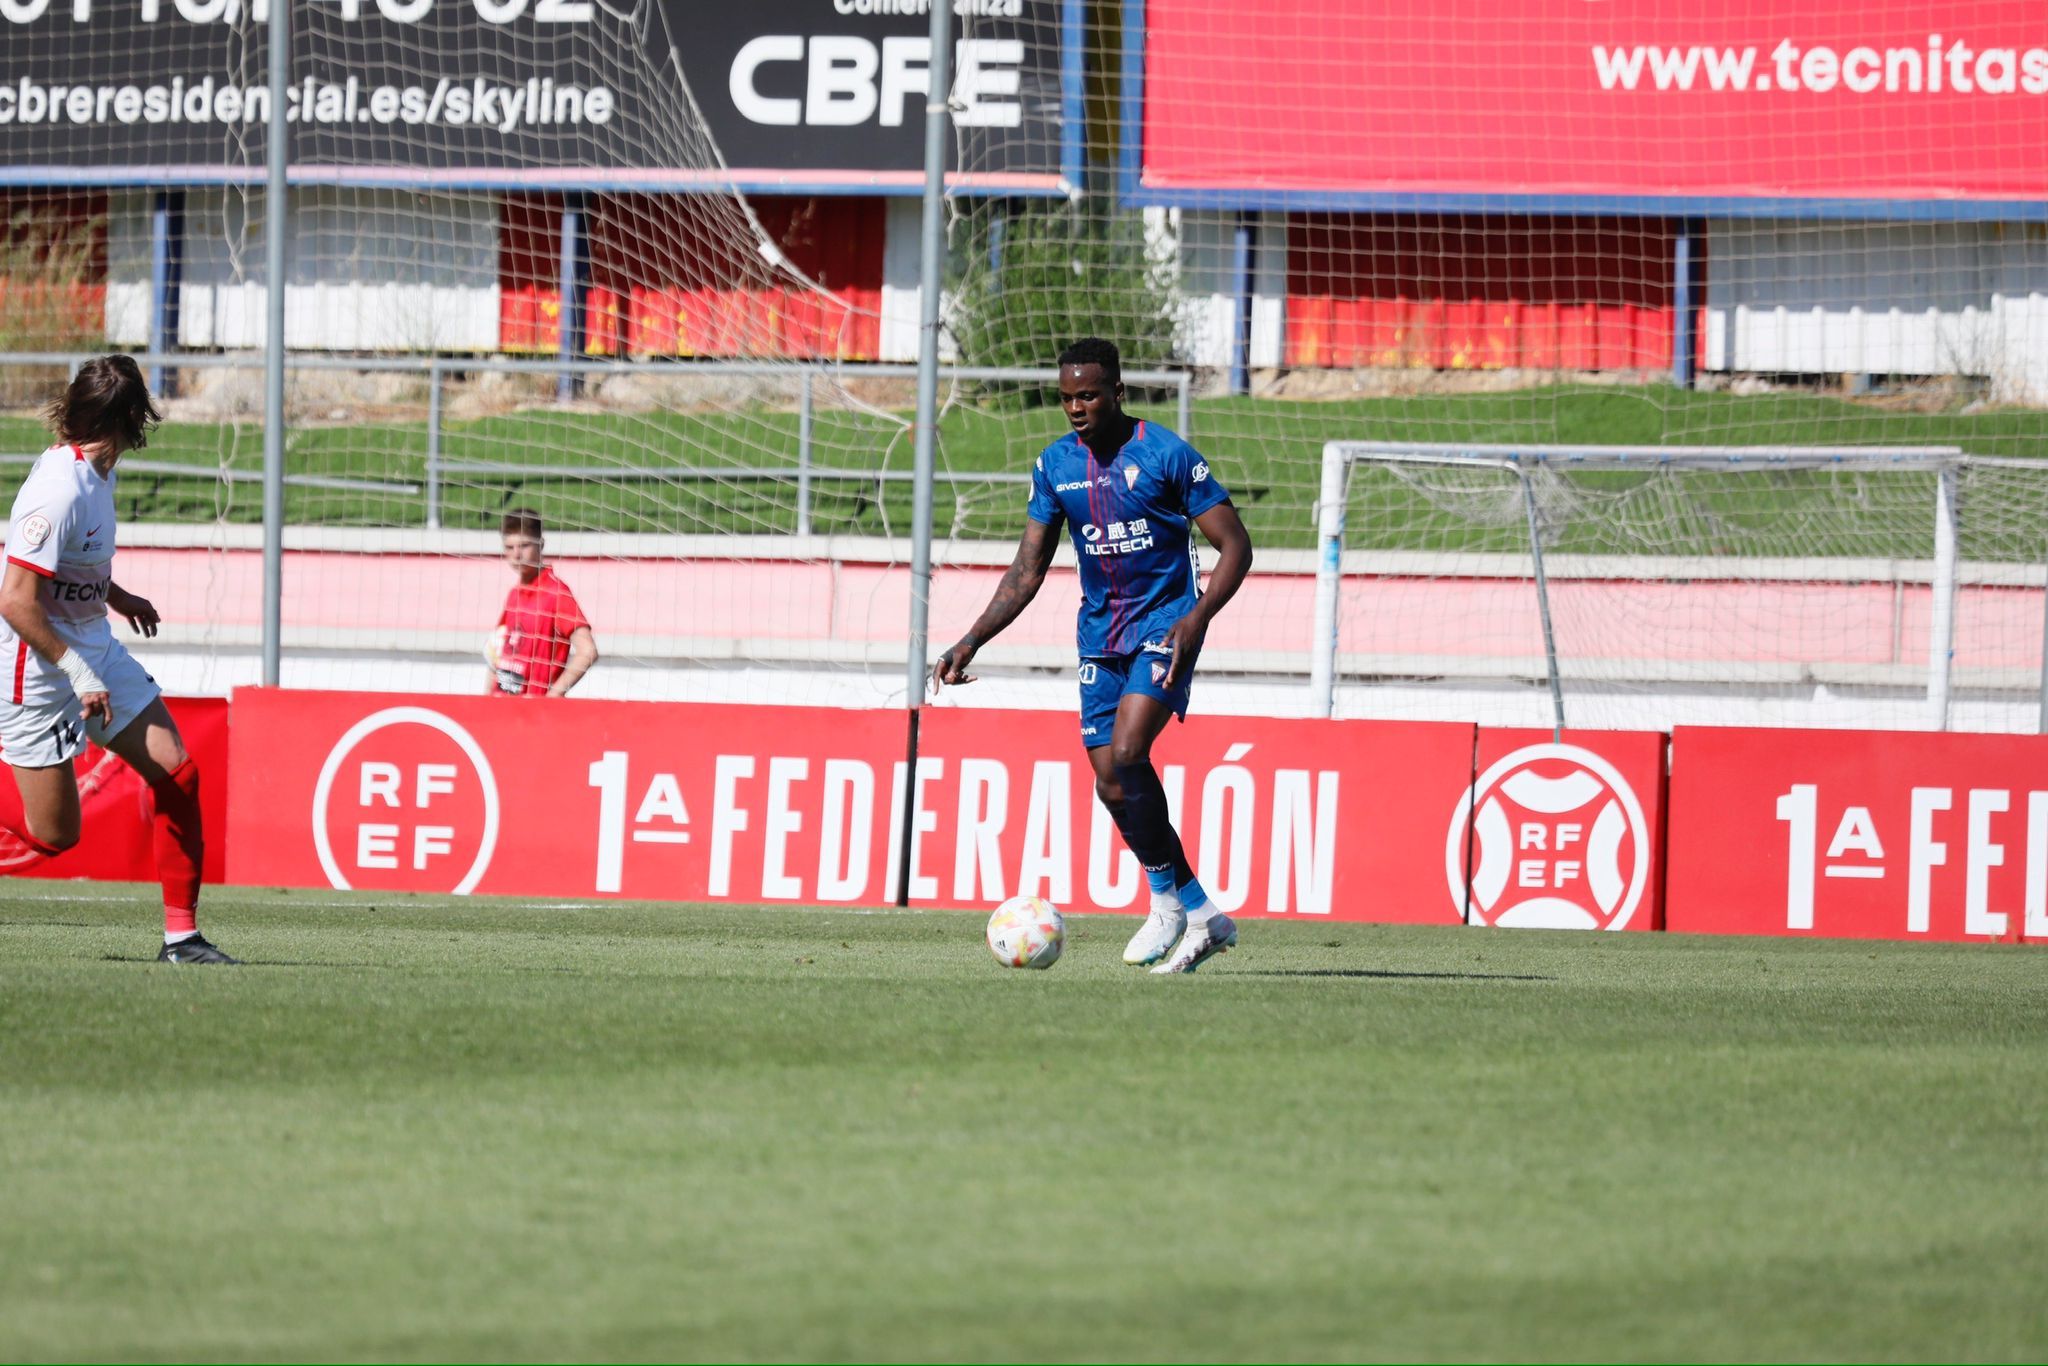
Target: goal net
(1612, 587)
(651, 271)
(524, 274)
(1765, 232)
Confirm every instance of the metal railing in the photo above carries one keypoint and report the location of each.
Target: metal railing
(174, 469)
(435, 370)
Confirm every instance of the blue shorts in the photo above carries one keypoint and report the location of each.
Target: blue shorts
(1107, 680)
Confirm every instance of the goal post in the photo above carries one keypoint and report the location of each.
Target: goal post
(1722, 569)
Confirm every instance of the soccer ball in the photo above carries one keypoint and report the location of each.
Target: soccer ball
(1026, 932)
(511, 678)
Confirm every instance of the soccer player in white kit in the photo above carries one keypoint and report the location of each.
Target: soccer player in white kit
(64, 679)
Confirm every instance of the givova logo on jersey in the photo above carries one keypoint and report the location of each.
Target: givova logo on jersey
(1554, 838)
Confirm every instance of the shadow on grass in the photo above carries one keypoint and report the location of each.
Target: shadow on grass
(240, 963)
(1390, 973)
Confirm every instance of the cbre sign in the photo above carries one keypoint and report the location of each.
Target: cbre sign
(792, 94)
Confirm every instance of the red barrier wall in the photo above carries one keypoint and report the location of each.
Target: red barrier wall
(662, 282)
(1861, 835)
(114, 843)
(1353, 820)
(1476, 291)
(785, 804)
(1830, 833)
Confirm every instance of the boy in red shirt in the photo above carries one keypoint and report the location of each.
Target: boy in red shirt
(543, 644)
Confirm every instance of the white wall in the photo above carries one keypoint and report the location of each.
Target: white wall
(901, 230)
(128, 302)
(1882, 298)
(370, 270)
(1206, 244)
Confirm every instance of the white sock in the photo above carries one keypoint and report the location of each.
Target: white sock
(180, 938)
(1168, 902)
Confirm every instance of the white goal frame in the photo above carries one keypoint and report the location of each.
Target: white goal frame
(1341, 457)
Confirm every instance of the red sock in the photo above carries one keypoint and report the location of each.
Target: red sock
(180, 846)
(18, 849)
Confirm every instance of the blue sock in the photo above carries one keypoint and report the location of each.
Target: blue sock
(1192, 897)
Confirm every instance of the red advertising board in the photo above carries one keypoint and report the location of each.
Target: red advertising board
(1567, 833)
(1596, 97)
(749, 803)
(1319, 818)
(1862, 835)
(115, 831)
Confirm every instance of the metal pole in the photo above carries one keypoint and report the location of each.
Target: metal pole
(569, 334)
(1241, 313)
(1941, 643)
(803, 456)
(1322, 669)
(434, 445)
(1184, 407)
(1682, 305)
(1543, 605)
(937, 124)
(166, 236)
(276, 204)
(2042, 724)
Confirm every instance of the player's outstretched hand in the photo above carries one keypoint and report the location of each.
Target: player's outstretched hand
(96, 704)
(141, 613)
(951, 666)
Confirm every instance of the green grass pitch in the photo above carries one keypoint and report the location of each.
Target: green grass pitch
(425, 1129)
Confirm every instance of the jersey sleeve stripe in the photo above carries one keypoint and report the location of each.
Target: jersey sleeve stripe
(32, 568)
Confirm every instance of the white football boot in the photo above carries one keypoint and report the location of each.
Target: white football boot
(1204, 940)
(1160, 932)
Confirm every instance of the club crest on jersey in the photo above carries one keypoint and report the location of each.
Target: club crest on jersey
(1130, 476)
(35, 529)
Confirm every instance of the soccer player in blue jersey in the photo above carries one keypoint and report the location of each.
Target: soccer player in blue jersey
(1130, 490)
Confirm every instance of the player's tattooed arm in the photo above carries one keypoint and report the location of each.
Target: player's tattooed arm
(1020, 584)
(141, 613)
(1224, 530)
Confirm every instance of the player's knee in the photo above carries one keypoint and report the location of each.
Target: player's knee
(1129, 752)
(1109, 791)
(177, 786)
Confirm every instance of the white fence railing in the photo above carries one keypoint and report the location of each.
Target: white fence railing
(436, 371)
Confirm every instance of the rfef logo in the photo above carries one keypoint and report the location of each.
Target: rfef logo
(1554, 838)
(406, 799)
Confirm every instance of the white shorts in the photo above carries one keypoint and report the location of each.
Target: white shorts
(40, 734)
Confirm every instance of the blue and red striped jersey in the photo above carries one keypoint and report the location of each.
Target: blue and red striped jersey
(1131, 518)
